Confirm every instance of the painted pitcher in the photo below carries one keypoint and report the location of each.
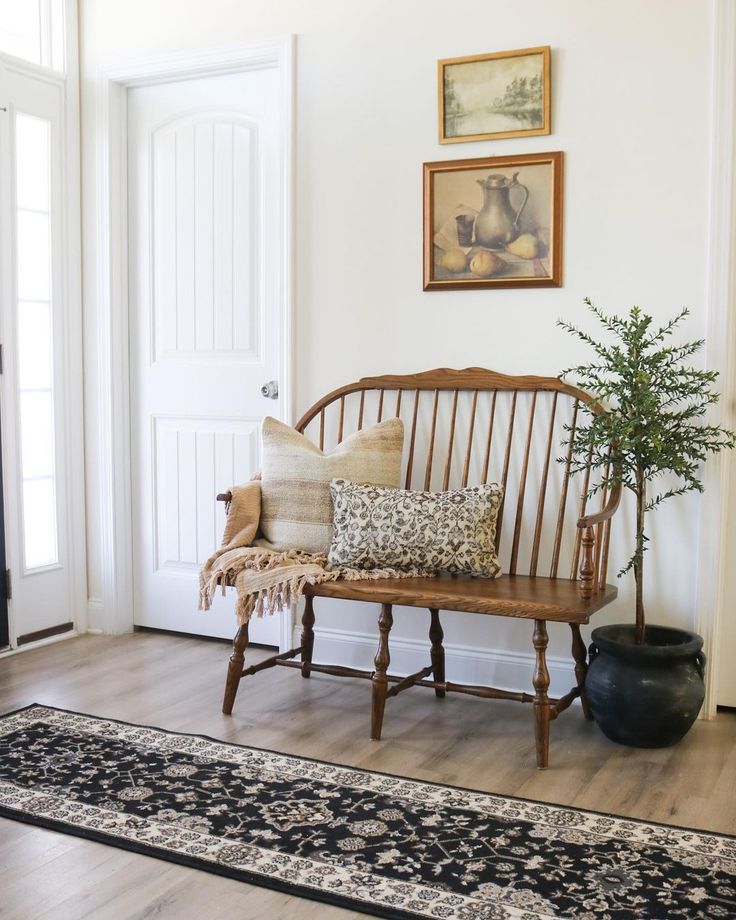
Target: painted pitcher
(498, 223)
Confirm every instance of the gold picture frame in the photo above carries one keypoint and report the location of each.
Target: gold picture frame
(492, 96)
(493, 222)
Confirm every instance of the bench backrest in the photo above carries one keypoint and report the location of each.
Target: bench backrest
(466, 427)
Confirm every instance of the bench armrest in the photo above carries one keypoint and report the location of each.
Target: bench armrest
(607, 512)
(590, 571)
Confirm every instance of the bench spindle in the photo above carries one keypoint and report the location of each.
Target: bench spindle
(604, 558)
(543, 490)
(450, 444)
(430, 452)
(563, 495)
(599, 528)
(412, 440)
(575, 570)
(341, 420)
(505, 475)
(522, 488)
(469, 450)
(489, 440)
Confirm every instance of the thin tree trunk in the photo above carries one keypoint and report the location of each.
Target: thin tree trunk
(641, 499)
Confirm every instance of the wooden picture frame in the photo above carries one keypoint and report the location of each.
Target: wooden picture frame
(491, 96)
(493, 222)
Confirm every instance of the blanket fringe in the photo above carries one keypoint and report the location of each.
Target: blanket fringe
(224, 572)
(275, 597)
(267, 580)
(270, 600)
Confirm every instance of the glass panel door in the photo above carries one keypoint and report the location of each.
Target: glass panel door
(35, 323)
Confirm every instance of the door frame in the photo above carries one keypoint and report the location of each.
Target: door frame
(713, 543)
(109, 365)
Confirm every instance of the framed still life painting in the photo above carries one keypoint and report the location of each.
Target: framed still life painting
(490, 96)
(493, 222)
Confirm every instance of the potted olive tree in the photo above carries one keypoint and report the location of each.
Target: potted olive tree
(645, 682)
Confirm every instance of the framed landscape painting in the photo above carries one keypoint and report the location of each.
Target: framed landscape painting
(487, 96)
(493, 222)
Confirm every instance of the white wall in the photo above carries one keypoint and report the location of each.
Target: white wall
(630, 108)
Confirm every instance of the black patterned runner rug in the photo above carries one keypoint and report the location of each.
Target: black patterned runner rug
(385, 845)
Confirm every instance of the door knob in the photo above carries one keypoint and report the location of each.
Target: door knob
(270, 390)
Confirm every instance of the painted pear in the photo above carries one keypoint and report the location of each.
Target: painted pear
(485, 263)
(525, 246)
(454, 260)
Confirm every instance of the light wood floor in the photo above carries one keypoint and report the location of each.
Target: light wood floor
(176, 683)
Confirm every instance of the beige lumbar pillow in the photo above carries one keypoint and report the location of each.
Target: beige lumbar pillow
(296, 507)
(432, 531)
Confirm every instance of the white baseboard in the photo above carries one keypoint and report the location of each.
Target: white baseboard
(95, 613)
(490, 667)
(39, 643)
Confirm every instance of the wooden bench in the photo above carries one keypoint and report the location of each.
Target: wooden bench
(465, 427)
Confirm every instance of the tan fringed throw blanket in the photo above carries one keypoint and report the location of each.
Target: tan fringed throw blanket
(267, 580)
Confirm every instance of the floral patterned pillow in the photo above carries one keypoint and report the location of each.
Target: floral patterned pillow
(377, 527)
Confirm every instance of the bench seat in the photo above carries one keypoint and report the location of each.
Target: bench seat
(531, 597)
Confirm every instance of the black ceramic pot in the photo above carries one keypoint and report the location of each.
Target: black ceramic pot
(645, 695)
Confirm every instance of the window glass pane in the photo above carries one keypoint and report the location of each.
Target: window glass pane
(58, 42)
(32, 165)
(37, 433)
(34, 314)
(39, 522)
(34, 346)
(34, 30)
(20, 28)
(34, 256)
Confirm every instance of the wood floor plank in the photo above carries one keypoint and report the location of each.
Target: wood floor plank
(176, 683)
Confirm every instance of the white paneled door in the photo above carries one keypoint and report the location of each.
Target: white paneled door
(206, 293)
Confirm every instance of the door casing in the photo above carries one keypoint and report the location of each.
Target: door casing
(711, 599)
(110, 373)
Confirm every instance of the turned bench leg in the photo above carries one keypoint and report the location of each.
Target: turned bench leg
(541, 700)
(307, 641)
(379, 679)
(581, 667)
(438, 650)
(235, 668)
